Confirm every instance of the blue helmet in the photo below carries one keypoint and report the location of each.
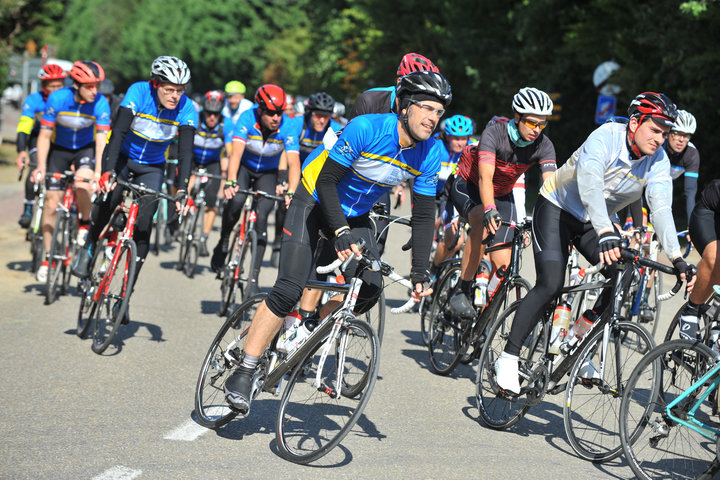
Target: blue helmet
(458, 125)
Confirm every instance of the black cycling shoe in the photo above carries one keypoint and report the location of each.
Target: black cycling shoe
(217, 261)
(26, 218)
(460, 304)
(275, 257)
(81, 266)
(203, 250)
(238, 389)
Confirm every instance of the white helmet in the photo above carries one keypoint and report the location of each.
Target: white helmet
(170, 70)
(533, 101)
(685, 123)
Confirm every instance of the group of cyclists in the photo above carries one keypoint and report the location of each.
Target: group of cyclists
(331, 174)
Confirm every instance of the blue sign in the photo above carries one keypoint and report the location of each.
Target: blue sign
(605, 108)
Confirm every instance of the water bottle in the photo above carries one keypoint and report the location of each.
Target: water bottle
(577, 276)
(495, 282)
(577, 331)
(715, 336)
(290, 328)
(481, 287)
(561, 323)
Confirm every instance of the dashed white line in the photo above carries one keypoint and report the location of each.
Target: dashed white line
(186, 432)
(119, 472)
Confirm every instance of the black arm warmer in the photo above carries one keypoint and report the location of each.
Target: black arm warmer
(423, 224)
(22, 141)
(690, 193)
(636, 213)
(186, 136)
(120, 127)
(330, 175)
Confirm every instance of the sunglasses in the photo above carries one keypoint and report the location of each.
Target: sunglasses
(273, 113)
(533, 125)
(428, 109)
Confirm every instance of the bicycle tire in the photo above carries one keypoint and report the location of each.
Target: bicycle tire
(185, 240)
(375, 317)
(193, 250)
(55, 258)
(655, 446)
(71, 253)
(87, 288)
(311, 421)
(211, 409)
(228, 282)
(114, 300)
(591, 406)
(444, 346)
(426, 302)
(673, 331)
(246, 262)
(37, 249)
(498, 410)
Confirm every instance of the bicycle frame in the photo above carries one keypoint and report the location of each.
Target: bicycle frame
(692, 422)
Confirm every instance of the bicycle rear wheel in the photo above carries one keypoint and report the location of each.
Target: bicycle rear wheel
(314, 419)
(500, 410)
(191, 258)
(59, 248)
(37, 250)
(592, 397)
(655, 445)
(247, 261)
(426, 302)
(185, 240)
(211, 409)
(87, 288)
(444, 338)
(117, 285)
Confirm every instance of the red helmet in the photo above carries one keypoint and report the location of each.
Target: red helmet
(51, 72)
(414, 62)
(654, 105)
(85, 71)
(271, 97)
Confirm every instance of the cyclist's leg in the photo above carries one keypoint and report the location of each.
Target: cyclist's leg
(231, 214)
(506, 208)
(266, 182)
(587, 245)
(84, 161)
(29, 199)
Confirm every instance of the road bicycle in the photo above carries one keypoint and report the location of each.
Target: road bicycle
(34, 232)
(105, 294)
(669, 411)
(240, 260)
(597, 366)
(161, 231)
(191, 230)
(323, 385)
(451, 337)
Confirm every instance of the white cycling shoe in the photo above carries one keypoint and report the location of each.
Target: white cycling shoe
(588, 371)
(507, 373)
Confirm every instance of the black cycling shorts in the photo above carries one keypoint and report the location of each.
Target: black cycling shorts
(466, 196)
(704, 226)
(60, 159)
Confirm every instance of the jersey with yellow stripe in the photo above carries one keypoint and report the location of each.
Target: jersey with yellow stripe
(74, 123)
(153, 127)
(370, 147)
(263, 154)
(32, 112)
(309, 139)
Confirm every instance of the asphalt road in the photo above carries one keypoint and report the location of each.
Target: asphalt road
(68, 413)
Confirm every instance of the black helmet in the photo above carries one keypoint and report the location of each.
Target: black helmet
(107, 87)
(320, 102)
(213, 101)
(421, 86)
(654, 105)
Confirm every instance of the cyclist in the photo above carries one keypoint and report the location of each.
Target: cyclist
(339, 114)
(483, 187)
(208, 148)
(262, 136)
(684, 157)
(339, 186)
(235, 101)
(151, 115)
(705, 230)
(609, 171)
(73, 132)
(454, 138)
(51, 79)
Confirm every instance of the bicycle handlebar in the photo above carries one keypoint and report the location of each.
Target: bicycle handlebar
(204, 173)
(634, 256)
(260, 193)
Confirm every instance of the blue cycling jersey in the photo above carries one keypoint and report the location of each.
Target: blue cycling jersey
(74, 122)
(153, 127)
(33, 108)
(208, 144)
(260, 154)
(309, 139)
(369, 145)
(448, 165)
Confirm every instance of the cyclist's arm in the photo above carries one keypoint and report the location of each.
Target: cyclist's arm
(326, 186)
(238, 148)
(293, 162)
(590, 170)
(43, 148)
(100, 141)
(659, 197)
(120, 127)
(691, 182)
(21, 142)
(423, 224)
(186, 136)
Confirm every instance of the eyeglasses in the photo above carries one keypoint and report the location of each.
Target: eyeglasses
(167, 90)
(427, 109)
(533, 125)
(273, 113)
(680, 134)
(90, 86)
(215, 114)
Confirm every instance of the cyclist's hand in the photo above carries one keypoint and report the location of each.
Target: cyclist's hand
(689, 240)
(288, 199)
(183, 203)
(399, 194)
(346, 244)
(609, 243)
(280, 189)
(21, 160)
(105, 184)
(37, 175)
(230, 189)
(492, 219)
(421, 280)
(685, 272)
(451, 231)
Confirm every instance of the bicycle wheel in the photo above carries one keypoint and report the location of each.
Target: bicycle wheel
(673, 331)
(160, 225)
(444, 338)
(56, 257)
(649, 311)
(185, 240)
(500, 410)
(228, 280)
(655, 445)
(37, 250)
(191, 256)
(592, 397)
(247, 261)
(314, 419)
(211, 409)
(117, 285)
(87, 288)
(70, 253)
(426, 302)
(375, 317)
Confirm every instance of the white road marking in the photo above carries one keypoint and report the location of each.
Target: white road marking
(190, 430)
(119, 473)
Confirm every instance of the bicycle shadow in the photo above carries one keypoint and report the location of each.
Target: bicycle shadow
(421, 357)
(19, 266)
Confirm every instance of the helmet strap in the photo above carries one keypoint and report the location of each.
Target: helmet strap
(404, 121)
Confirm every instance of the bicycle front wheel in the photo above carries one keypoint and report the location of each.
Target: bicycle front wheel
(317, 409)
(87, 288)
(247, 261)
(444, 338)
(116, 285)
(211, 409)
(185, 240)
(656, 445)
(595, 386)
(59, 248)
(375, 317)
